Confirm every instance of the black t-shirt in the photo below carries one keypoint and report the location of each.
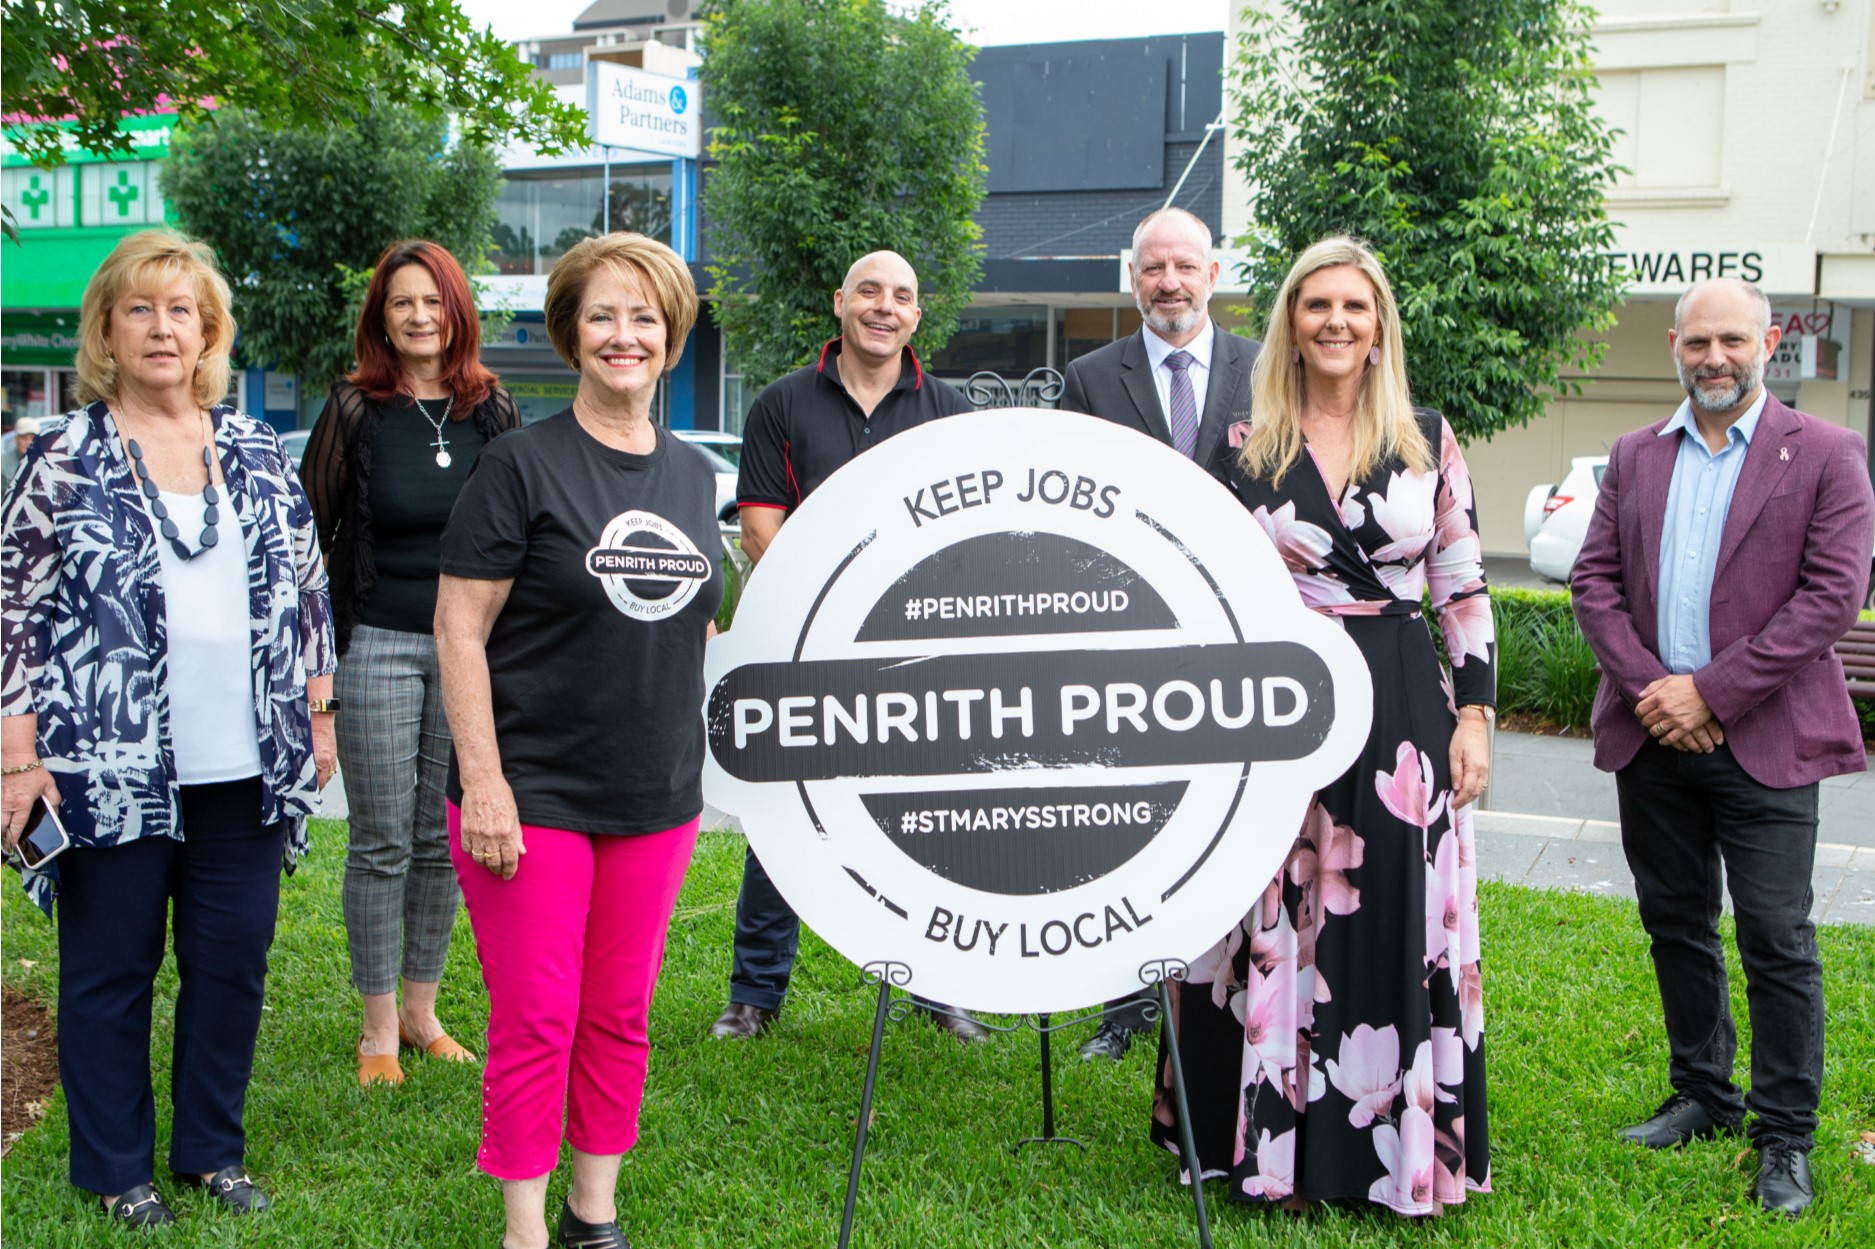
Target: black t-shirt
(596, 673)
(805, 426)
(411, 497)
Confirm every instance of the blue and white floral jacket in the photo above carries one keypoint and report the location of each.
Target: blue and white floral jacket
(83, 632)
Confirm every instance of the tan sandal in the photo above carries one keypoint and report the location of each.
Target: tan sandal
(444, 1047)
(373, 1068)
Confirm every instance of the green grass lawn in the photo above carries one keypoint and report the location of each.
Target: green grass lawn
(748, 1144)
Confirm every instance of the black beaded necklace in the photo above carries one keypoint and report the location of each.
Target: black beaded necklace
(210, 514)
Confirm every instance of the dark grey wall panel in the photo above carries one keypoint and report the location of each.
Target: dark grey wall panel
(1073, 123)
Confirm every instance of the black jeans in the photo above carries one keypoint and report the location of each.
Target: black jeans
(1682, 815)
(224, 881)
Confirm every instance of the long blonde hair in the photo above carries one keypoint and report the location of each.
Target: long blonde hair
(1384, 426)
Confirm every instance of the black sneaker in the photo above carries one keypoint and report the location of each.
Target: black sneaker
(1109, 1041)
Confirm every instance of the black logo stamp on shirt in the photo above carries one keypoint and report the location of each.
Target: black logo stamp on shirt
(1055, 706)
(650, 568)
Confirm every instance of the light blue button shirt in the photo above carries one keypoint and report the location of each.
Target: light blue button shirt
(1697, 504)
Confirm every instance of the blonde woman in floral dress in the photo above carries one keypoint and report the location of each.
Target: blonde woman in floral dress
(1333, 1041)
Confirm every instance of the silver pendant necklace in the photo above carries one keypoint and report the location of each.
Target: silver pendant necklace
(441, 444)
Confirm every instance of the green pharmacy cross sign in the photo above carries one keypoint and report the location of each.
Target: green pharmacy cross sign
(124, 194)
(35, 197)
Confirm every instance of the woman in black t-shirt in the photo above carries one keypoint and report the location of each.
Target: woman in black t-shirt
(382, 469)
(580, 576)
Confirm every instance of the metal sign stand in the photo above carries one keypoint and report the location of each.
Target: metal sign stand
(888, 975)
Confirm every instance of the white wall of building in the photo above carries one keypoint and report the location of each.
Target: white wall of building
(1751, 148)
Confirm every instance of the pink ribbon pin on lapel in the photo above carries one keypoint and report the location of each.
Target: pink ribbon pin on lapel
(1783, 453)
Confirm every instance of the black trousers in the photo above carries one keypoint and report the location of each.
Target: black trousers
(224, 883)
(1682, 817)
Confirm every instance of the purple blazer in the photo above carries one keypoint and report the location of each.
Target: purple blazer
(1792, 566)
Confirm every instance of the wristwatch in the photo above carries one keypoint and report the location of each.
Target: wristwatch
(321, 705)
(1490, 712)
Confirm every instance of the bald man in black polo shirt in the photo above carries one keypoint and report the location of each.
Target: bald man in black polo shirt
(866, 386)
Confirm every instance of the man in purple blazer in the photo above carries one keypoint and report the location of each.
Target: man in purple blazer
(1727, 555)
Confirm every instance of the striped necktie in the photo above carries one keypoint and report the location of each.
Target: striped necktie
(1184, 405)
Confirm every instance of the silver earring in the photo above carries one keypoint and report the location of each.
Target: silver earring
(1373, 355)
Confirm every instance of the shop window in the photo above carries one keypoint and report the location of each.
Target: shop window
(40, 198)
(114, 193)
(542, 214)
(1009, 341)
(1081, 330)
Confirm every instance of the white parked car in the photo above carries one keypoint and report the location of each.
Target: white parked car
(719, 449)
(1556, 520)
(1556, 517)
(725, 444)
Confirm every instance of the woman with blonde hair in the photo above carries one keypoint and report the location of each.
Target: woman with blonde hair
(1333, 1041)
(573, 678)
(167, 659)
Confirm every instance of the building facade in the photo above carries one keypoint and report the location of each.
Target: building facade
(1748, 130)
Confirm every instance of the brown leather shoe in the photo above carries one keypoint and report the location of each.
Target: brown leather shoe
(741, 1022)
(956, 1022)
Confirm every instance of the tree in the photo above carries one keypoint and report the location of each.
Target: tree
(294, 214)
(843, 127)
(1456, 137)
(294, 62)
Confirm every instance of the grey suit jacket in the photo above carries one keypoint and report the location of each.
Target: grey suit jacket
(1115, 383)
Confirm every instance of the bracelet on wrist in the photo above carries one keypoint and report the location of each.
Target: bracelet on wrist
(23, 768)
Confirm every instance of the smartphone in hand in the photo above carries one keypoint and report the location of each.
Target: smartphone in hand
(45, 837)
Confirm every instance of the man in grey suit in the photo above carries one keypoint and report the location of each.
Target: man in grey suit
(1182, 379)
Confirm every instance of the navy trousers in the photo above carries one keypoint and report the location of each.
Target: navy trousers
(113, 908)
(768, 935)
(1682, 816)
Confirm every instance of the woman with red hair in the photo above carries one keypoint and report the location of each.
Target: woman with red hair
(383, 467)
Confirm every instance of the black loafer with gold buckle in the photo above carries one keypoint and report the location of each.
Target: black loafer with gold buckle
(141, 1206)
(232, 1187)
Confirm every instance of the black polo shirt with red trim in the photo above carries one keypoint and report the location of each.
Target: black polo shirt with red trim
(805, 426)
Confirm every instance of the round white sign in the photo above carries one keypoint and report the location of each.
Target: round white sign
(1025, 700)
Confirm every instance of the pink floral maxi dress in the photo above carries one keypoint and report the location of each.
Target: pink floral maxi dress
(1333, 1041)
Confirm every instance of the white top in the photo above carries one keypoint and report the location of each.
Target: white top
(1199, 370)
(211, 696)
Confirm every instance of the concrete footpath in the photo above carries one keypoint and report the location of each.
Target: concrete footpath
(1550, 822)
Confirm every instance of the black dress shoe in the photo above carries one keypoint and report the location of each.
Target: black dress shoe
(232, 1186)
(1783, 1185)
(956, 1022)
(141, 1206)
(740, 1021)
(1110, 1040)
(576, 1233)
(1679, 1119)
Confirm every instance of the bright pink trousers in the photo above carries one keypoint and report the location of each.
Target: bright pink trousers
(570, 952)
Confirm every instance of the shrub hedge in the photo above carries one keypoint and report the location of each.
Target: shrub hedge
(1545, 667)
